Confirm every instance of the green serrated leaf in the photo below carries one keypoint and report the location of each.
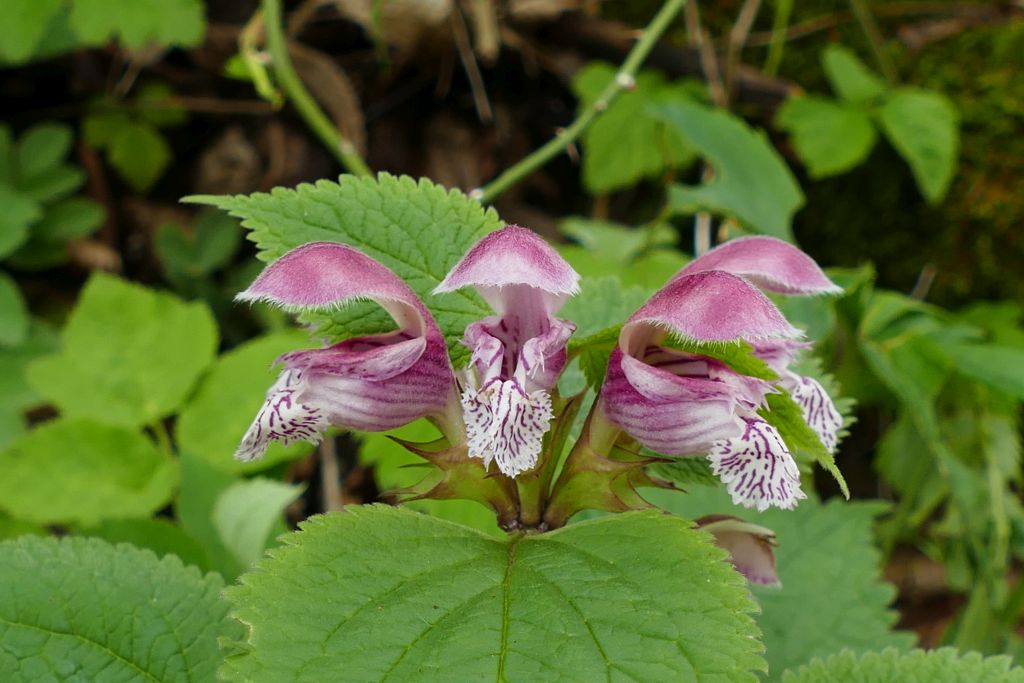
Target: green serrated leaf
(62, 222)
(24, 24)
(751, 182)
(626, 144)
(785, 414)
(394, 467)
(378, 592)
(14, 319)
(201, 486)
(922, 126)
(684, 471)
(245, 514)
(892, 666)
(139, 22)
(129, 355)
(212, 424)
(1000, 367)
(75, 470)
(209, 246)
(161, 536)
(80, 609)
(820, 547)
(417, 229)
(829, 137)
(849, 77)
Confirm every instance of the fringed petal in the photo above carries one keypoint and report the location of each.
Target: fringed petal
(329, 275)
(757, 468)
(508, 258)
(287, 416)
(708, 307)
(769, 263)
(506, 425)
(819, 410)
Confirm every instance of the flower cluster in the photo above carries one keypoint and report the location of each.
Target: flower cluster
(674, 402)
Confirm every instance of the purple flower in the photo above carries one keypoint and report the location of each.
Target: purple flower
(751, 547)
(371, 383)
(682, 404)
(519, 353)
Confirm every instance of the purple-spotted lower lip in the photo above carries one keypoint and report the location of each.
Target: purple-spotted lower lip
(506, 425)
(757, 468)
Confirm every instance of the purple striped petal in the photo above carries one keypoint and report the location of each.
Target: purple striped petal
(751, 547)
(668, 413)
(285, 416)
(707, 307)
(769, 263)
(507, 263)
(506, 425)
(757, 468)
(330, 275)
(819, 411)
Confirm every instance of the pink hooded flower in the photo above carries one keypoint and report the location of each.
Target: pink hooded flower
(519, 353)
(372, 383)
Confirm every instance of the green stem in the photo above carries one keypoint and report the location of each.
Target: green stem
(292, 85)
(875, 40)
(783, 10)
(625, 79)
(163, 438)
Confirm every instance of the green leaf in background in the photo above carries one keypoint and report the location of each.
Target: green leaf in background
(74, 470)
(739, 355)
(129, 355)
(246, 512)
(15, 393)
(377, 593)
(41, 149)
(14, 319)
(201, 486)
(394, 467)
(212, 424)
(417, 229)
(200, 251)
(626, 144)
(152, 101)
(24, 24)
(892, 666)
(81, 609)
(13, 528)
(922, 126)
(685, 471)
(139, 154)
(785, 415)
(18, 215)
(849, 77)
(63, 221)
(829, 137)
(643, 256)
(139, 22)
(751, 182)
(161, 536)
(832, 595)
(999, 367)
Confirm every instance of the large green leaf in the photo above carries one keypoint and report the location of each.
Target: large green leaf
(130, 355)
(832, 595)
(751, 182)
(15, 393)
(378, 593)
(849, 77)
(891, 666)
(74, 470)
(1000, 367)
(19, 213)
(160, 535)
(922, 126)
(418, 229)
(139, 22)
(80, 609)
(829, 137)
(627, 144)
(213, 422)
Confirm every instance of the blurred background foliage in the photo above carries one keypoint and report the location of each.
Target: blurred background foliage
(895, 158)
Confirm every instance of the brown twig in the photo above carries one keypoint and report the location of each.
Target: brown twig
(476, 80)
(737, 39)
